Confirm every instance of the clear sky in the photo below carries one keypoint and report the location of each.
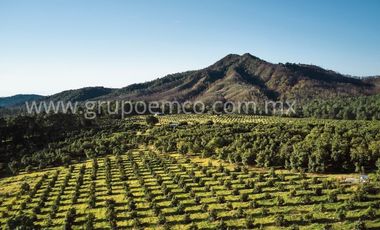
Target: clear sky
(47, 46)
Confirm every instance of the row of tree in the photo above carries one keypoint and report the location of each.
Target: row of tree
(334, 146)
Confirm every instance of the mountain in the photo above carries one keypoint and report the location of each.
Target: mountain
(233, 78)
(6, 102)
(82, 94)
(375, 80)
(246, 77)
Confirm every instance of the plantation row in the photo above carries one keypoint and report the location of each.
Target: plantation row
(298, 144)
(295, 144)
(236, 118)
(144, 189)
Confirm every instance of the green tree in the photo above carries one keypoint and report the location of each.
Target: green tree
(151, 120)
(22, 222)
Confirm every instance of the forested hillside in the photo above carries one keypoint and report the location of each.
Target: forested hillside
(351, 108)
(246, 77)
(317, 92)
(291, 143)
(17, 100)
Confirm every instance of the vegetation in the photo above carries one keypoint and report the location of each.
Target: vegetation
(297, 144)
(161, 189)
(359, 108)
(37, 142)
(207, 172)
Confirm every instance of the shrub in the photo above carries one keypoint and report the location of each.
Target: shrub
(280, 201)
(360, 194)
(279, 220)
(151, 120)
(292, 193)
(193, 226)
(22, 222)
(332, 197)
(131, 205)
(212, 215)
(253, 204)
(111, 214)
(221, 225)
(89, 222)
(221, 199)
(318, 191)
(349, 204)
(359, 225)
(264, 212)
(306, 199)
(249, 222)
(25, 188)
(307, 218)
(341, 214)
(244, 197)
(239, 213)
(370, 213)
(186, 219)
(136, 223)
(204, 207)
(197, 200)
(69, 219)
(180, 209)
(161, 219)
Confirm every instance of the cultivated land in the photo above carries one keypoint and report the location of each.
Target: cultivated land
(156, 191)
(147, 188)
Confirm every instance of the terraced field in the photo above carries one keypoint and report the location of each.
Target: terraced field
(148, 190)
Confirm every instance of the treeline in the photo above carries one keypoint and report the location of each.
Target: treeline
(335, 147)
(21, 136)
(52, 140)
(358, 108)
(40, 141)
(345, 108)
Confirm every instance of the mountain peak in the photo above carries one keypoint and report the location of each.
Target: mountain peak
(248, 55)
(246, 77)
(236, 78)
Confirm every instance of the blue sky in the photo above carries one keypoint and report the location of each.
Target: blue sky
(49, 46)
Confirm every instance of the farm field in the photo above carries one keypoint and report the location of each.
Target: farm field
(144, 189)
(245, 119)
(209, 115)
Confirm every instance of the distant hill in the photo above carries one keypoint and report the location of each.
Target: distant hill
(6, 102)
(233, 78)
(80, 95)
(246, 77)
(16, 104)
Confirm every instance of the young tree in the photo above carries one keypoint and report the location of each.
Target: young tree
(25, 187)
(151, 120)
(359, 225)
(69, 219)
(279, 220)
(249, 222)
(212, 215)
(111, 213)
(22, 222)
(378, 170)
(222, 225)
(341, 214)
(90, 219)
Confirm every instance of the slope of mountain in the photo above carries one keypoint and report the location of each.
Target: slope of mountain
(233, 78)
(19, 99)
(246, 77)
(79, 95)
(375, 80)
